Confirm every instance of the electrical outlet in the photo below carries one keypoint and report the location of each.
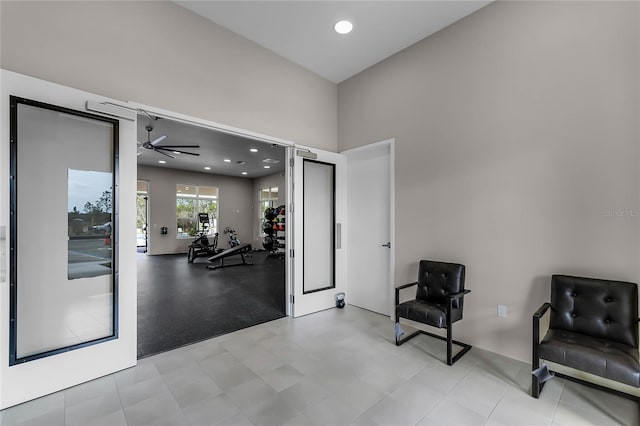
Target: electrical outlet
(502, 311)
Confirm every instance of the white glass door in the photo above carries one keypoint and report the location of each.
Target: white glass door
(319, 212)
(68, 180)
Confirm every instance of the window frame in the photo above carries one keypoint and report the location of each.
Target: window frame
(198, 197)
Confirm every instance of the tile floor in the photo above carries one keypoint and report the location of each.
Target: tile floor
(332, 368)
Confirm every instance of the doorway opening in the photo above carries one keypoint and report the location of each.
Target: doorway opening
(209, 266)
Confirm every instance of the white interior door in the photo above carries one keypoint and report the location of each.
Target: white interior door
(67, 293)
(369, 234)
(319, 213)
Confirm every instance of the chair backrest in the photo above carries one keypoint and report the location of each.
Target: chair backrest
(436, 280)
(595, 307)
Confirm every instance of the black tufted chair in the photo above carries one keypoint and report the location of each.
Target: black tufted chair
(593, 327)
(438, 303)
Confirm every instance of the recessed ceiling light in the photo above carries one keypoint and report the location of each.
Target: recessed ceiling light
(177, 152)
(343, 27)
(241, 162)
(267, 167)
(226, 160)
(207, 168)
(162, 162)
(244, 173)
(254, 150)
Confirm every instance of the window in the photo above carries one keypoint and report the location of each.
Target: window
(191, 200)
(268, 199)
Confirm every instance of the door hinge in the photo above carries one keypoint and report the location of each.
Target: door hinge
(291, 253)
(291, 208)
(291, 162)
(292, 299)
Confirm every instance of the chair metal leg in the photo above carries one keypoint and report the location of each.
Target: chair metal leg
(449, 345)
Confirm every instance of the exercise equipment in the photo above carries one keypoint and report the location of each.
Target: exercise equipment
(240, 249)
(274, 223)
(201, 246)
(233, 237)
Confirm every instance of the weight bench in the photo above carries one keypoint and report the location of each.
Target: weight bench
(233, 251)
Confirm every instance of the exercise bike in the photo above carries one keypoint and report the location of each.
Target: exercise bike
(202, 246)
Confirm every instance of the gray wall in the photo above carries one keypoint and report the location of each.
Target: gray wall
(160, 54)
(234, 203)
(517, 133)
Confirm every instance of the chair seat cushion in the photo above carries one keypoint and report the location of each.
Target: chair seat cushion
(602, 357)
(433, 314)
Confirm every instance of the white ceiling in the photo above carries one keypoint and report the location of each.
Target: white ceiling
(302, 31)
(214, 148)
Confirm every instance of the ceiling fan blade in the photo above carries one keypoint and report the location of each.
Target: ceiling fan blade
(158, 140)
(163, 153)
(178, 146)
(177, 150)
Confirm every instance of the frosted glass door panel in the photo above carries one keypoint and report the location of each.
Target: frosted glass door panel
(64, 201)
(319, 226)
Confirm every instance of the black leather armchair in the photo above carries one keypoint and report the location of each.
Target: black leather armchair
(593, 327)
(439, 302)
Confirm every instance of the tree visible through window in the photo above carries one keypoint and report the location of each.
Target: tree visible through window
(191, 200)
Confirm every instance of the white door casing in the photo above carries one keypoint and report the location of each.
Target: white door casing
(29, 380)
(314, 296)
(370, 208)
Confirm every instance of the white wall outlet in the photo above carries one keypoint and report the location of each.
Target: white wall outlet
(502, 311)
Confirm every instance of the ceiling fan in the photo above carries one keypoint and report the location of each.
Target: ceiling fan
(160, 149)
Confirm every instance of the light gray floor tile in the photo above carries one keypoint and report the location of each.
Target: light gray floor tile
(383, 381)
(140, 391)
(440, 377)
(237, 420)
(160, 409)
(299, 420)
(250, 393)
(272, 411)
(394, 411)
(51, 406)
(282, 377)
(233, 376)
(305, 393)
(99, 387)
(183, 376)
(88, 410)
(145, 370)
(480, 392)
(214, 411)
(344, 406)
(451, 413)
(331, 368)
(116, 418)
(261, 361)
(195, 391)
(517, 408)
(52, 418)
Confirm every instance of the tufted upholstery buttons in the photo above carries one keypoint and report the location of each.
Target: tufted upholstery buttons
(574, 294)
(608, 300)
(573, 315)
(607, 321)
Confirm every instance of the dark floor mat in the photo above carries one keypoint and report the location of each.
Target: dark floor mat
(181, 302)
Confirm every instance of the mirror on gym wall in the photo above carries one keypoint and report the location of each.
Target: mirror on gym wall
(319, 226)
(89, 223)
(63, 258)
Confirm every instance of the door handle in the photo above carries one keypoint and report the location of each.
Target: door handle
(388, 245)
